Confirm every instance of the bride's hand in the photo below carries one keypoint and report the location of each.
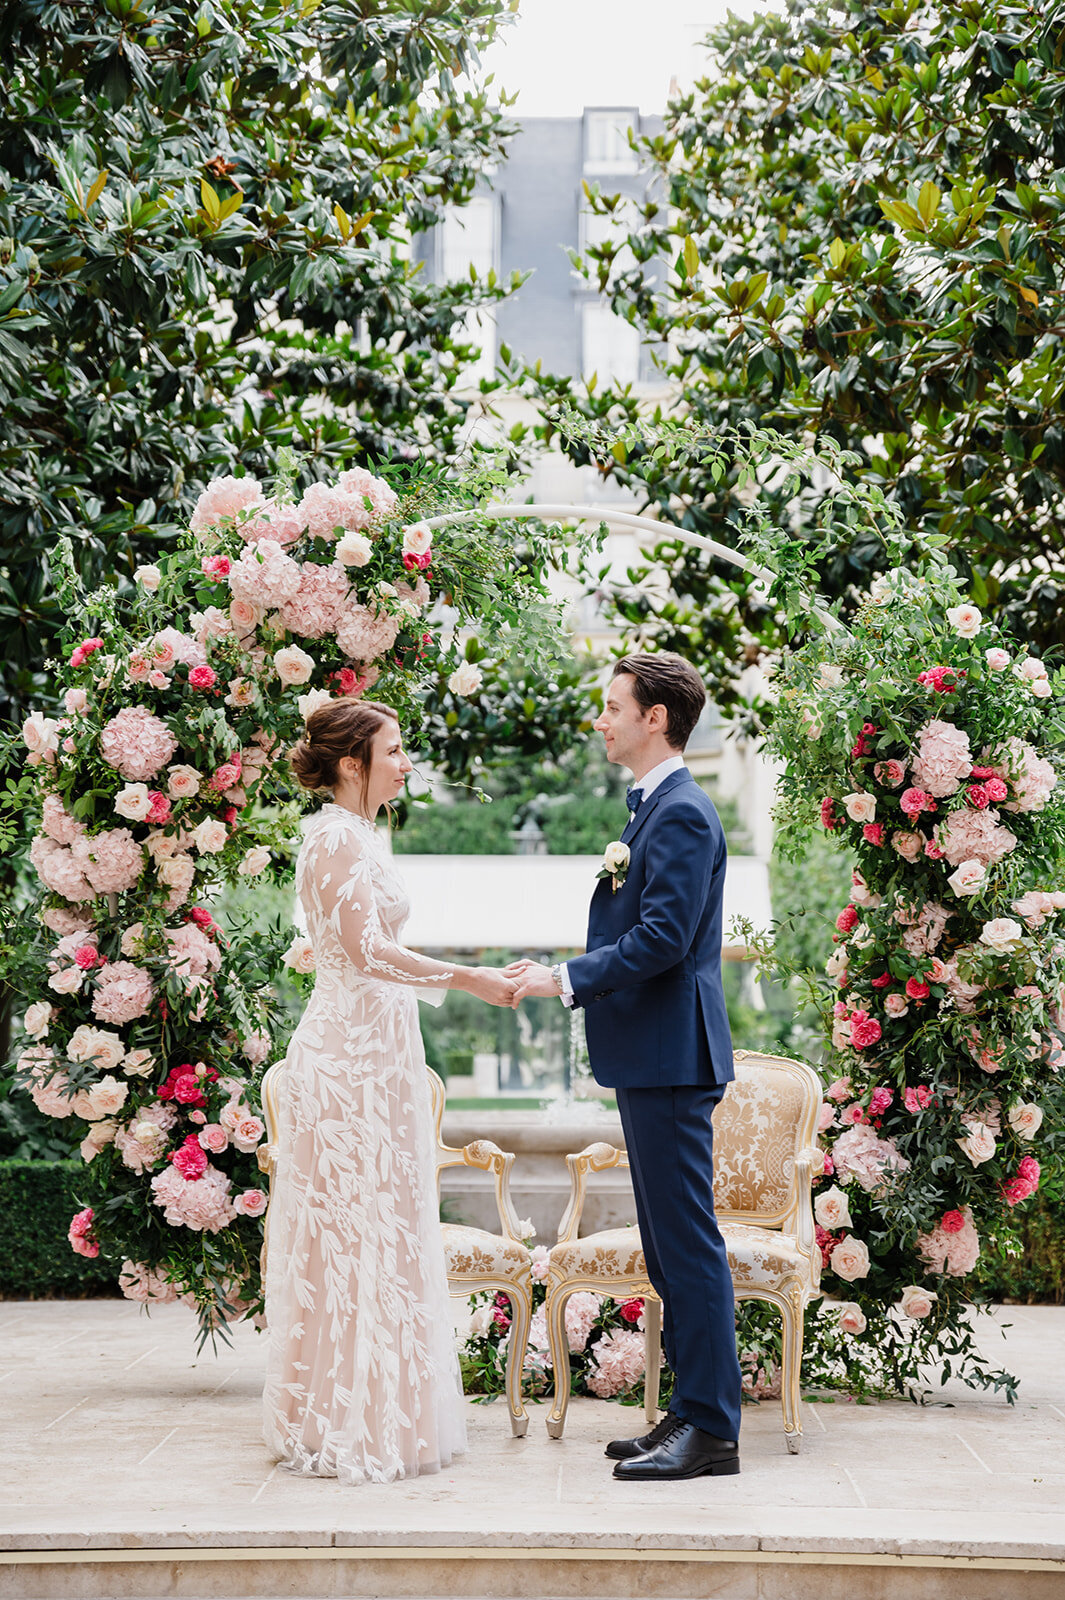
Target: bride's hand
(493, 986)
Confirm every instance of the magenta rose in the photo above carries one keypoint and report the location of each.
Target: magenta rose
(190, 1158)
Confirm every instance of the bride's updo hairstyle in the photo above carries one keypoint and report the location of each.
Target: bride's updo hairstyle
(345, 728)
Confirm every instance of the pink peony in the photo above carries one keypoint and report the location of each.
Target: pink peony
(955, 1252)
(247, 1133)
(865, 1030)
(264, 576)
(364, 635)
(123, 992)
(873, 833)
(943, 758)
(914, 801)
(80, 1234)
(216, 567)
(160, 811)
(974, 836)
(860, 1154)
(318, 604)
(112, 861)
(146, 1284)
(952, 1221)
(190, 1158)
(619, 1363)
(889, 773)
(976, 795)
(81, 653)
(136, 743)
(202, 677)
(879, 1101)
(829, 820)
(57, 822)
(224, 498)
(918, 1098)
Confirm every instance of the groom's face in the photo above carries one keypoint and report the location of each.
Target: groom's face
(623, 723)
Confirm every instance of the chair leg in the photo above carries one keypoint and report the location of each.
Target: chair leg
(559, 1346)
(652, 1356)
(520, 1318)
(792, 1312)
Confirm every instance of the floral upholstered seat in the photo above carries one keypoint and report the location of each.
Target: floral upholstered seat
(476, 1260)
(765, 1157)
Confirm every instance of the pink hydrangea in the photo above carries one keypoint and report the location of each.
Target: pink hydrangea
(123, 992)
(325, 508)
(112, 861)
(48, 1089)
(143, 1141)
(923, 935)
(1031, 776)
(974, 836)
(264, 576)
(954, 1252)
(581, 1311)
(943, 759)
(58, 871)
(360, 482)
(202, 1204)
(363, 635)
(860, 1153)
(145, 1284)
(963, 991)
(57, 822)
(136, 743)
(619, 1363)
(191, 952)
(222, 498)
(60, 920)
(318, 604)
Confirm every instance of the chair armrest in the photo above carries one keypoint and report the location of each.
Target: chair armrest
(266, 1156)
(488, 1157)
(807, 1163)
(594, 1158)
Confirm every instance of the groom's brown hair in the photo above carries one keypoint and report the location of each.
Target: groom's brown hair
(661, 678)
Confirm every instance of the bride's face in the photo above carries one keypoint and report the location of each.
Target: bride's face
(389, 765)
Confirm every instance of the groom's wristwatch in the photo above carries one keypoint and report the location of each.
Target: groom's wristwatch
(556, 974)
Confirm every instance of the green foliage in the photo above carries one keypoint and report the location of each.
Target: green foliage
(206, 216)
(854, 228)
(37, 1200)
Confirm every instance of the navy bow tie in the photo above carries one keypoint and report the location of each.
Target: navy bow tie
(633, 799)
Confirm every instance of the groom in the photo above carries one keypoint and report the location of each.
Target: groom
(658, 1033)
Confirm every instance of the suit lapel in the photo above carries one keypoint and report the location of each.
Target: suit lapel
(635, 823)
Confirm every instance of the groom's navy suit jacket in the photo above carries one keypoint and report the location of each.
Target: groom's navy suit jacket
(650, 983)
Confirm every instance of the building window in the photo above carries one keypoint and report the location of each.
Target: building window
(610, 346)
(468, 236)
(606, 141)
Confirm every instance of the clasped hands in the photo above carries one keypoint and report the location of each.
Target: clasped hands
(509, 986)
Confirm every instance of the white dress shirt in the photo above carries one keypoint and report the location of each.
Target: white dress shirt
(646, 787)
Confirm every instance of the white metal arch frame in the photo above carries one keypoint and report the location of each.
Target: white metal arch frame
(627, 519)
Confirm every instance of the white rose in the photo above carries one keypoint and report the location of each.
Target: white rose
(832, 1209)
(1041, 688)
(309, 703)
(915, 1301)
(108, 1051)
(852, 1317)
(1001, 933)
(66, 982)
(133, 802)
(131, 943)
(968, 878)
(253, 861)
(209, 836)
(106, 1098)
(480, 1322)
(615, 856)
(138, 1064)
(293, 665)
(177, 872)
(831, 676)
(997, 659)
(978, 1144)
(895, 1005)
(861, 807)
(417, 539)
(300, 955)
(965, 620)
(850, 1259)
(526, 1229)
(836, 965)
(79, 1046)
(1030, 667)
(841, 1033)
(40, 733)
(387, 590)
(466, 679)
(76, 701)
(1025, 1119)
(182, 782)
(353, 550)
(244, 616)
(37, 1019)
(148, 577)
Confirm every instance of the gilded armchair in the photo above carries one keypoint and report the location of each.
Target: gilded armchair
(476, 1260)
(765, 1158)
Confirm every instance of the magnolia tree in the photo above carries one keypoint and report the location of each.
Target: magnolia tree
(148, 1026)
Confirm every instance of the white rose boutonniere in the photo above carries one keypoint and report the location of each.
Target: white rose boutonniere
(615, 864)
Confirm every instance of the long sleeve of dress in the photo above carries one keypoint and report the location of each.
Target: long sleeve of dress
(341, 875)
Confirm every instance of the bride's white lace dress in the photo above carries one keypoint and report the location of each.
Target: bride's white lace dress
(362, 1374)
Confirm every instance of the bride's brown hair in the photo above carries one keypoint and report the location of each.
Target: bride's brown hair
(344, 728)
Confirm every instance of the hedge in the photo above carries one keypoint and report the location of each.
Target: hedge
(37, 1201)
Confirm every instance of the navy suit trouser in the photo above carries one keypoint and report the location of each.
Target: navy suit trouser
(669, 1138)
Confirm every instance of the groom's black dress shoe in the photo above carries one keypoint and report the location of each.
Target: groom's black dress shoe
(685, 1451)
(624, 1449)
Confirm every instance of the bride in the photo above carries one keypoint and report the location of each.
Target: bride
(362, 1380)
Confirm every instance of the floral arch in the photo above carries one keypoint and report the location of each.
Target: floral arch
(918, 736)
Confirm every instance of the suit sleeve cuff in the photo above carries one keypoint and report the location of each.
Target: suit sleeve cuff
(567, 987)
